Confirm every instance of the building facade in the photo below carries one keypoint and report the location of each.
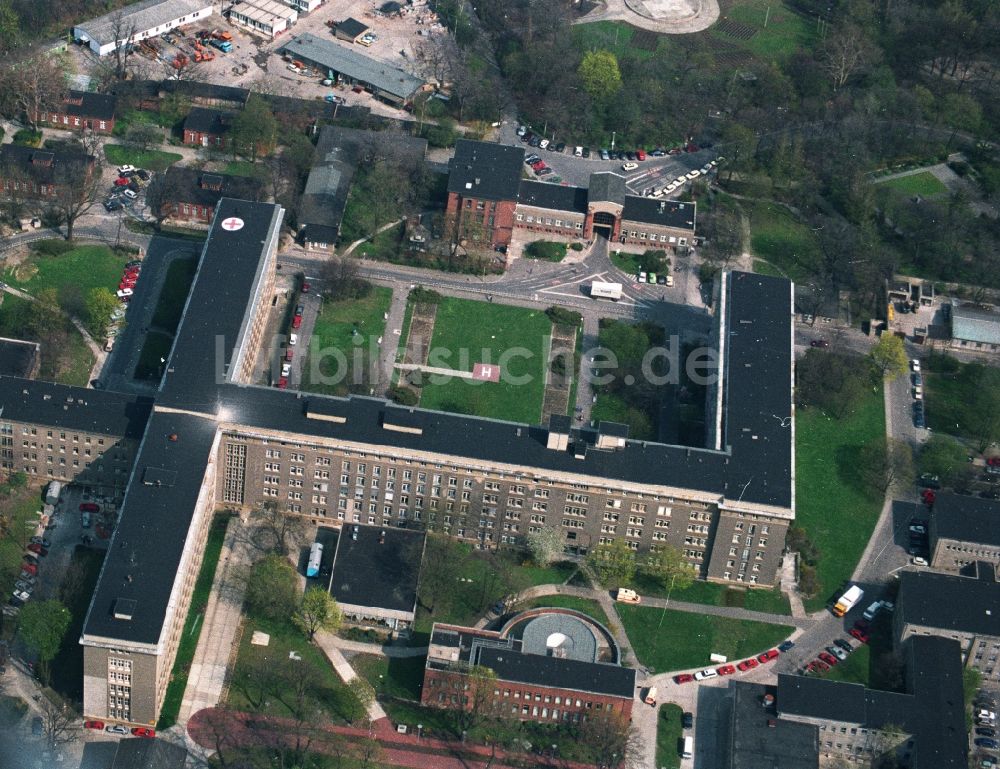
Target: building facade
(264, 17)
(82, 110)
(138, 21)
(205, 127)
(189, 195)
(28, 173)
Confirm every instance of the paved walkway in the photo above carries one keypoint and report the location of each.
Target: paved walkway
(392, 336)
(328, 644)
(789, 586)
(380, 650)
(216, 644)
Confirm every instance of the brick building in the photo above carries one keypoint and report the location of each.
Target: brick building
(963, 530)
(488, 200)
(82, 110)
(28, 173)
(204, 127)
(558, 667)
(191, 195)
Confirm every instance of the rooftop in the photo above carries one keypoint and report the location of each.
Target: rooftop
(46, 166)
(377, 567)
(141, 16)
(951, 602)
(975, 323)
(143, 753)
(666, 213)
(94, 105)
(558, 673)
(18, 357)
(553, 197)
(758, 739)
(208, 121)
(190, 185)
(265, 11)
(485, 170)
(965, 519)
(356, 66)
(606, 186)
(351, 28)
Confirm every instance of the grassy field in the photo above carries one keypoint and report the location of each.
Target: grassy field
(924, 183)
(192, 625)
(830, 502)
(766, 268)
(72, 274)
(955, 400)
(685, 640)
(786, 31)
(391, 676)
(174, 293)
(546, 251)
(70, 364)
(668, 736)
(855, 669)
(771, 601)
(75, 592)
(611, 36)
(152, 160)
(385, 244)
(334, 328)
(776, 236)
(583, 605)
(467, 332)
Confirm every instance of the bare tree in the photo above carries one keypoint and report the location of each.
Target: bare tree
(59, 723)
(845, 52)
(277, 530)
(435, 60)
(77, 184)
(33, 86)
(123, 31)
(613, 742)
(342, 279)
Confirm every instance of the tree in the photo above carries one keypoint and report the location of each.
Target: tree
(31, 85)
(884, 464)
(342, 279)
(272, 588)
(123, 30)
(845, 52)
(142, 135)
(443, 559)
(600, 75)
(77, 184)
(612, 741)
(100, 303)
(255, 129)
(60, 723)
(545, 545)
(478, 698)
(42, 627)
(889, 356)
(946, 458)
(612, 563)
(668, 567)
(277, 530)
(10, 30)
(317, 611)
(363, 692)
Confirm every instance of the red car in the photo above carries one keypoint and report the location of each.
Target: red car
(928, 496)
(289, 353)
(305, 288)
(89, 507)
(121, 181)
(821, 666)
(993, 461)
(747, 665)
(94, 725)
(143, 731)
(770, 654)
(34, 547)
(828, 658)
(296, 321)
(283, 383)
(538, 165)
(859, 634)
(726, 670)
(683, 678)
(30, 568)
(640, 154)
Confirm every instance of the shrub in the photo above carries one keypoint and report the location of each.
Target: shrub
(52, 247)
(28, 137)
(577, 246)
(403, 396)
(564, 317)
(425, 296)
(546, 250)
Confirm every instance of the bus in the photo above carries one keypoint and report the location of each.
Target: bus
(848, 600)
(315, 559)
(601, 290)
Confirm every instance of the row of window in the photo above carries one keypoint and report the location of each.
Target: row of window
(102, 124)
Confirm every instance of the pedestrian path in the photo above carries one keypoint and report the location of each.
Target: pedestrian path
(380, 650)
(327, 643)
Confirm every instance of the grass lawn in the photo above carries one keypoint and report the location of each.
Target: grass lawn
(546, 251)
(685, 640)
(630, 263)
(192, 624)
(924, 183)
(611, 36)
(176, 285)
(830, 504)
(583, 605)
(155, 348)
(668, 736)
(72, 274)
(777, 237)
(152, 160)
(75, 592)
(855, 669)
(955, 400)
(334, 329)
(467, 332)
(243, 168)
(70, 363)
(786, 31)
(771, 601)
(391, 676)
(766, 268)
(385, 244)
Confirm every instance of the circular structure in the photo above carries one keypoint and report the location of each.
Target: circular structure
(232, 224)
(669, 17)
(559, 632)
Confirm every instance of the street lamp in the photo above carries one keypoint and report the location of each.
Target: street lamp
(613, 139)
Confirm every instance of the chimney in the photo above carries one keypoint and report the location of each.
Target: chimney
(381, 537)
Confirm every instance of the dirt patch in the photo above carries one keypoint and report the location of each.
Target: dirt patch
(418, 343)
(559, 371)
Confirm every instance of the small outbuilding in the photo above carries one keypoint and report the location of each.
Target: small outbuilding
(391, 8)
(350, 29)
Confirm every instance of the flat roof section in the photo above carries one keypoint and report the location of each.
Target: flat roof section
(966, 519)
(377, 567)
(18, 357)
(758, 739)
(485, 170)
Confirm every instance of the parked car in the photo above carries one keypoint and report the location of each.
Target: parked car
(117, 729)
(986, 731)
(915, 364)
(41, 541)
(746, 665)
(23, 587)
(929, 481)
(34, 547)
(828, 658)
(986, 742)
(89, 507)
(297, 321)
(844, 644)
(630, 166)
(726, 670)
(99, 725)
(918, 528)
(687, 720)
(30, 568)
(20, 595)
(837, 652)
(820, 666)
(768, 656)
(605, 155)
(683, 678)
(130, 194)
(704, 675)
(918, 561)
(784, 646)
(126, 170)
(822, 343)
(544, 144)
(560, 147)
(640, 154)
(143, 731)
(293, 339)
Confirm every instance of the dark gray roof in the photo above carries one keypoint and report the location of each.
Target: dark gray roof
(17, 357)
(390, 7)
(94, 105)
(666, 213)
(184, 185)
(950, 602)
(606, 186)
(553, 197)
(484, 170)
(558, 673)
(820, 698)
(758, 739)
(377, 567)
(73, 408)
(209, 121)
(197, 89)
(145, 551)
(144, 753)
(351, 28)
(43, 166)
(966, 519)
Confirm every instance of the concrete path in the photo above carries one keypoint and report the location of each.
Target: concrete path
(449, 372)
(383, 228)
(327, 643)
(392, 337)
(379, 650)
(99, 355)
(669, 17)
(223, 614)
(789, 586)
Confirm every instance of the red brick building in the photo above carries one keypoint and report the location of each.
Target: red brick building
(34, 174)
(205, 127)
(187, 194)
(83, 110)
(550, 666)
(483, 181)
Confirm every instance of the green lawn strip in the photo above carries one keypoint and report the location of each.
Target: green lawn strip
(766, 268)
(830, 503)
(399, 677)
(611, 36)
(668, 736)
(713, 594)
(583, 605)
(155, 349)
(70, 364)
(855, 669)
(949, 396)
(334, 345)
(924, 183)
(546, 251)
(242, 168)
(467, 332)
(72, 274)
(75, 594)
(630, 263)
(777, 237)
(152, 160)
(170, 305)
(685, 640)
(193, 623)
(786, 31)
(385, 244)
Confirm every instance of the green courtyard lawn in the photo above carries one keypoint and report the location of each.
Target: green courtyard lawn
(583, 605)
(397, 677)
(69, 361)
(75, 593)
(173, 295)
(467, 332)
(193, 623)
(831, 505)
(334, 328)
(152, 160)
(546, 251)
(713, 594)
(766, 268)
(72, 274)
(668, 736)
(924, 184)
(685, 640)
(777, 237)
(956, 400)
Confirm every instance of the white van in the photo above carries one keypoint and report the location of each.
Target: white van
(626, 595)
(872, 610)
(687, 749)
(650, 698)
(52, 493)
(578, 152)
